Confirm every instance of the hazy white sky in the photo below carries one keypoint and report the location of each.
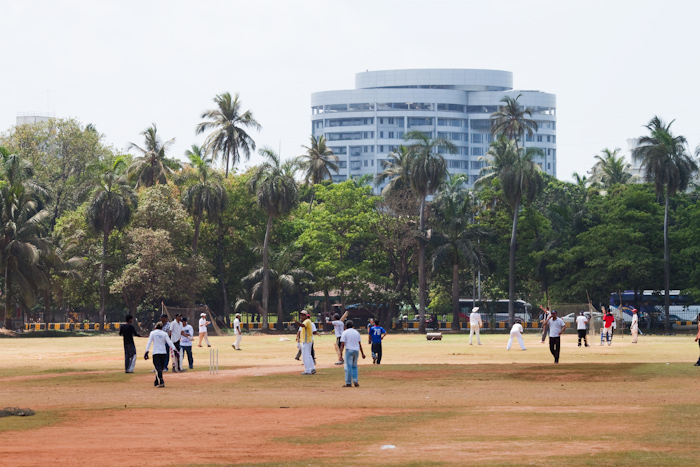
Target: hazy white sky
(124, 64)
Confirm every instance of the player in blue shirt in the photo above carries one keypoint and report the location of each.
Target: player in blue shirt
(376, 335)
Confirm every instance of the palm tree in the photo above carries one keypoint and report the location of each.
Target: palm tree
(276, 192)
(428, 170)
(521, 181)
(396, 171)
(317, 163)
(152, 167)
(110, 203)
(285, 276)
(21, 244)
(512, 120)
(56, 262)
(611, 169)
(204, 192)
(454, 236)
(668, 165)
(229, 122)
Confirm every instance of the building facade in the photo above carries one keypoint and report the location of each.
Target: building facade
(363, 125)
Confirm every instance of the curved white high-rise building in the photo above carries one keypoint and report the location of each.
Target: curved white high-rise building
(364, 124)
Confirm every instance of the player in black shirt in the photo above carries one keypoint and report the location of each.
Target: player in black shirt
(127, 330)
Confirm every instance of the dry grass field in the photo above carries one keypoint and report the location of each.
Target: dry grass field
(438, 402)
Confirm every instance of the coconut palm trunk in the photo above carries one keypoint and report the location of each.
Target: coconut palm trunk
(222, 277)
(103, 267)
(667, 267)
(8, 300)
(455, 297)
(511, 266)
(421, 269)
(195, 237)
(266, 273)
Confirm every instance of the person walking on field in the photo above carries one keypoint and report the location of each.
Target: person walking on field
(203, 329)
(161, 342)
(608, 319)
(186, 342)
(338, 328)
(376, 336)
(350, 340)
(556, 327)
(166, 329)
(544, 317)
(175, 336)
(581, 322)
(516, 332)
(237, 331)
(634, 327)
(128, 331)
(475, 324)
(306, 339)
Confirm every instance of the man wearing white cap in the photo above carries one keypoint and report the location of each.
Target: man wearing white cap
(203, 329)
(474, 325)
(237, 331)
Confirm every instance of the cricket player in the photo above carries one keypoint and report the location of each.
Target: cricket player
(203, 329)
(351, 342)
(186, 342)
(237, 332)
(634, 327)
(161, 342)
(338, 328)
(581, 322)
(128, 331)
(175, 335)
(556, 327)
(474, 325)
(306, 338)
(516, 332)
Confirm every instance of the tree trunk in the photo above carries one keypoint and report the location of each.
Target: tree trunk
(455, 297)
(8, 300)
(103, 288)
(195, 237)
(511, 267)
(667, 268)
(222, 279)
(47, 306)
(227, 161)
(266, 273)
(280, 327)
(421, 269)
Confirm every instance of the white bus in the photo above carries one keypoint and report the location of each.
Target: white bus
(496, 309)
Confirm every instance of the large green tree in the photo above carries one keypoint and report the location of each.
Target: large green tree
(611, 169)
(512, 120)
(317, 164)
(152, 166)
(21, 243)
(428, 170)
(110, 203)
(521, 182)
(229, 123)
(203, 191)
(276, 193)
(669, 166)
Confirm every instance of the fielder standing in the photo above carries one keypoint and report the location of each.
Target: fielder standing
(306, 338)
(338, 328)
(351, 341)
(203, 329)
(186, 342)
(634, 327)
(237, 331)
(581, 322)
(556, 327)
(475, 324)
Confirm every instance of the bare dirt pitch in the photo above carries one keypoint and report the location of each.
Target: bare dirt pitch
(439, 403)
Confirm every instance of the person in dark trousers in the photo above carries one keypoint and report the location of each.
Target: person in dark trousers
(161, 341)
(166, 329)
(128, 331)
(376, 335)
(544, 317)
(186, 341)
(556, 327)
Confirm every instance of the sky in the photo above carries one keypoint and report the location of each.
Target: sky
(122, 65)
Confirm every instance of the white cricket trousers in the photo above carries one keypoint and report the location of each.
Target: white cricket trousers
(237, 345)
(474, 330)
(516, 335)
(306, 357)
